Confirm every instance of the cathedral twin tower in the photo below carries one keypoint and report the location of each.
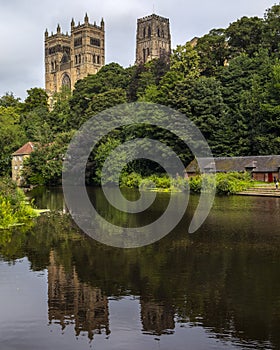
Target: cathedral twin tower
(69, 58)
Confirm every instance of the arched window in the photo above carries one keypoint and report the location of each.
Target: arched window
(52, 65)
(144, 55)
(98, 59)
(66, 80)
(149, 32)
(158, 32)
(148, 52)
(65, 58)
(144, 32)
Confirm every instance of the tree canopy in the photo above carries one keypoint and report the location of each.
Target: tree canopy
(227, 82)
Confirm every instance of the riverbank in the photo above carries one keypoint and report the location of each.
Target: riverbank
(15, 210)
(261, 190)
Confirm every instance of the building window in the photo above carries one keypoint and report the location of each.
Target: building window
(144, 32)
(158, 32)
(148, 52)
(66, 81)
(65, 58)
(149, 32)
(78, 42)
(95, 42)
(98, 59)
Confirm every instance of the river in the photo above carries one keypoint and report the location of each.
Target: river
(218, 288)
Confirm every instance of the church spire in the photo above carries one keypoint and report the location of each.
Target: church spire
(72, 23)
(86, 19)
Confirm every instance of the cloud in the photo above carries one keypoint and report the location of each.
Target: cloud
(23, 22)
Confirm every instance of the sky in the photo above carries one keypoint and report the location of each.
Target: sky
(23, 23)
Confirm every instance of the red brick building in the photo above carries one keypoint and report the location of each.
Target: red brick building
(262, 168)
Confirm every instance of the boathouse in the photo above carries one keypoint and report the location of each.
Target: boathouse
(262, 168)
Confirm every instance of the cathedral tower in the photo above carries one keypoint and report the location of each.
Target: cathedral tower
(153, 39)
(69, 58)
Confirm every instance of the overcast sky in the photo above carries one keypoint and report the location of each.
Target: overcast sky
(23, 23)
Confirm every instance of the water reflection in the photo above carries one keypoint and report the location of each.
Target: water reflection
(73, 302)
(223, 280)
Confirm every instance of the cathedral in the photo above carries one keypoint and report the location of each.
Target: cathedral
(70, 57)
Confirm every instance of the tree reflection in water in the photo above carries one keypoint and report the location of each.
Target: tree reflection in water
(225, 280)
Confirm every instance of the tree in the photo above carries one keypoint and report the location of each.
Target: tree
(60, 115)
(37, 98)
(44, 165)
(9, 100)
(110, 77)
(245, 36)
(185, 61)
(271, 33)
(12, 136)
(213, 51)
(271, 113)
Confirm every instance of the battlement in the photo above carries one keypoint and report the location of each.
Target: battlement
(152, 17)
(79, 26)
(153, 39)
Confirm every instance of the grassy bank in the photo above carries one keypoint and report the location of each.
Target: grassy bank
(226, 184)
(14, 208)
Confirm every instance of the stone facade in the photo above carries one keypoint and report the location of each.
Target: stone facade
(153, 39)
(69, 58)
(18, 158)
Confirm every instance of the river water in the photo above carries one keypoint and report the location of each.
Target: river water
(218, 288)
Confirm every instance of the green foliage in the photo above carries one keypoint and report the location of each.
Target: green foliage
(13, 207)
(226, 183)
(245, 36)
(37, 97)
(185, 61)
(44, 166)
(131, 180)
(213, 51)
(227, 82)
(154, 182)
(12, 136)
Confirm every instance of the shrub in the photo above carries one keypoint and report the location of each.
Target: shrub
(13, 207)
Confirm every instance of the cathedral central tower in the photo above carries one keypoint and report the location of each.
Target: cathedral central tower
(153, 39)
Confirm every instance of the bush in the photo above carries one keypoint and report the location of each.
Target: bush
(226, 183)
(131, 180)
(13, 207)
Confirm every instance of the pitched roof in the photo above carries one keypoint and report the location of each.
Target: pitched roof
(24, 150)
(225, 164)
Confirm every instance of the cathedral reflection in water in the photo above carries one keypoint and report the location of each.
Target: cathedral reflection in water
(72, 302)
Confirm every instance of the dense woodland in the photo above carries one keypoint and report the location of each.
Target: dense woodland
(228, 84)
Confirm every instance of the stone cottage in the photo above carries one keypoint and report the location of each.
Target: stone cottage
(18, 158)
